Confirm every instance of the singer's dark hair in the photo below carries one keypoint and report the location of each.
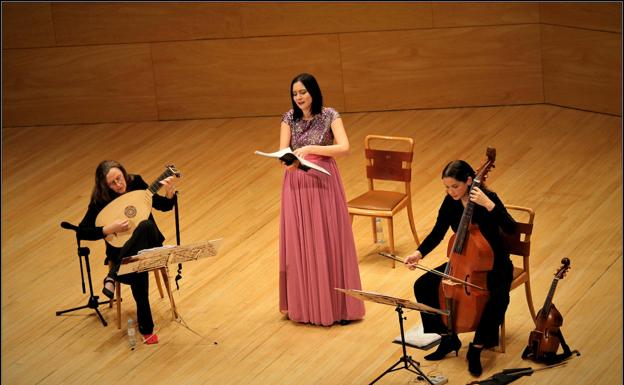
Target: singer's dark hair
(311, 85)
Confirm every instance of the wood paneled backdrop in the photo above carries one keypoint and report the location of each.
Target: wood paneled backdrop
(67, 63)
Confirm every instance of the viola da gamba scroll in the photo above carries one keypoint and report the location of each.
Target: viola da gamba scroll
(470, 259)
(135, 206)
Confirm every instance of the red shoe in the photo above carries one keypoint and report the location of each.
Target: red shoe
(150, 339)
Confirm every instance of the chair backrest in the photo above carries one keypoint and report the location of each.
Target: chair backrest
(519, 243)
(387, 164)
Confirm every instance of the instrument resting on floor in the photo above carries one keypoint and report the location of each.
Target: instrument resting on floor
(545, 339)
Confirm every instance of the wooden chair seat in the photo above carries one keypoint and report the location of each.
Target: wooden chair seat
(378, 200)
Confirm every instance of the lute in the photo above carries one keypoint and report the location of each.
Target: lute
(135, 206)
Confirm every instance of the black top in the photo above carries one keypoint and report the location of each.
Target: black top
(490, 224)
(87, 229)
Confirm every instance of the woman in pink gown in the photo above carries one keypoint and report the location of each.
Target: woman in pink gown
(317, 250)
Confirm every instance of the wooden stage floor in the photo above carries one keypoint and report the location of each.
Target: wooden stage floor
(564, 163)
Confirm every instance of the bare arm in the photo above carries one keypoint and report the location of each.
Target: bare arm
(284, 135)
(285, 142)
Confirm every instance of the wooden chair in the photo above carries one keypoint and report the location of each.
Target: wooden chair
(117, 298)
(519, 244)
(387, 165)
(163, 272)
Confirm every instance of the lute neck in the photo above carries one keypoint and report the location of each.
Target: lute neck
(155, 186)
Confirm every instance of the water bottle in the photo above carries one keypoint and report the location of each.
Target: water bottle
(131, 334)
(379, 231)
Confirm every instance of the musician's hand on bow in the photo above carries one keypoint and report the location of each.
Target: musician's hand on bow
(118, 226)
(479, 197)
(169, 183)
(412, 260)
(449, 282)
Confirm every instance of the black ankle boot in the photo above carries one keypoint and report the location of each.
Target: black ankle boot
(448, 343)
(474, 360)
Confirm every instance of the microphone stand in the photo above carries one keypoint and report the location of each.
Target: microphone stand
(93, 302)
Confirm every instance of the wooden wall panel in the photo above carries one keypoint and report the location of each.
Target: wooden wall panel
(242, 77)
(26, 25)
(391, 56)
(461, 14)
(286, 18)
(605, 16)
(119, 22)
(582, 68)
(441, 68)
(77, 85)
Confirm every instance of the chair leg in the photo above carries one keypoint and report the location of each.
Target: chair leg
(118, 300)
(351, 217)
(374, 229)
(391, 239)
(165, 276)
(410, 216)
(501, 342)
(529, 297)
(160, 290)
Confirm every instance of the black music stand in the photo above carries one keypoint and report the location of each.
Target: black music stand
(93, 302)
(400, 303)
(177, 227)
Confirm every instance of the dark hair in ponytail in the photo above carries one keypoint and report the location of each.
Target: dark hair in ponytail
(461, 170)
(458, 169)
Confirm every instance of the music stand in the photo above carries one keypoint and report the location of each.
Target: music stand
(93, 302)
(158, 258)
(400, 303)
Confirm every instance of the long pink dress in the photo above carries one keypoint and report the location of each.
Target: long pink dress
(317, 250)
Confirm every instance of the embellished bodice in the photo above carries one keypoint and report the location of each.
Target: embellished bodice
(316, 131)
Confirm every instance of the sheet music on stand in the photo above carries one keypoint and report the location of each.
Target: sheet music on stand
(405, 362)
(158, 257)
(392, 301)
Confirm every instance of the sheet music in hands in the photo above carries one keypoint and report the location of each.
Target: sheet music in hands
(158, 257)
(287, 156)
